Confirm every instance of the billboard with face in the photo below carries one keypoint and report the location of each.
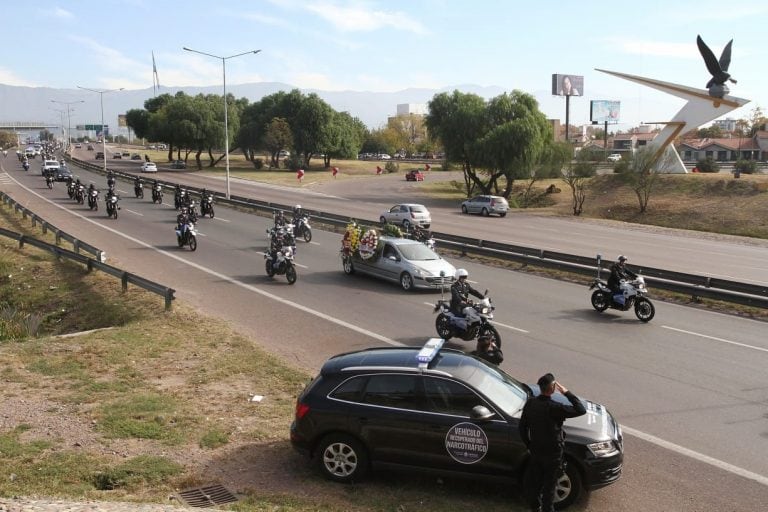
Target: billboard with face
(567, 85)
(601, 111)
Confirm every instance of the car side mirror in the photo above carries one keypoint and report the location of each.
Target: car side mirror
(392, 257)
(481, 413)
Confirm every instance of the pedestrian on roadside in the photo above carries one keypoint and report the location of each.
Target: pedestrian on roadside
(541, 429)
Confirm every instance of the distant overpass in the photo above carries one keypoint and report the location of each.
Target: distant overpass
(21, 126)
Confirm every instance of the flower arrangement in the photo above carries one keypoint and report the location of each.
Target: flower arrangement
(368, 245)
(351, 240)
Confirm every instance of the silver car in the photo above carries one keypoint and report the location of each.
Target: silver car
(485, 205)
(410, 263)
(407, 215)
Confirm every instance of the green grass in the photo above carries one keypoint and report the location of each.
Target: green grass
(137, 472)
(142, 416)
(214, 439)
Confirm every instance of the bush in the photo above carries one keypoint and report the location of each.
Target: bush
(391, 167)
(293, 163)
(708, 165)
(258, 163)
(745, 166)
(622, 166)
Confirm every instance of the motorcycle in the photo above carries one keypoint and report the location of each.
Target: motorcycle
(301, 228)
(138, 189)
(634, 293)
(71, 189)
(424, 236)
(476, 323)
(280, 262)
(80, 193)
(112, 206)
(179, 198)
(206, 205)
(281, 236)
(157, 193)
(192, 211)
(49, 179)
(187, 236)
(93, 196)
(25, 165)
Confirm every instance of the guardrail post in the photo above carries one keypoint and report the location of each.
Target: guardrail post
(76, 245)
(44, 226)
(58, 236)
(34, 220)
(463, 249)
(89, 265)
(168, 298)
(124, 281)
(21, 241)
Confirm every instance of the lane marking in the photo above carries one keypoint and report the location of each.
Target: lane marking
(222, 220)
(492, 323)
(637, 433)
(696, 455)
(715, 338)
(133, 212)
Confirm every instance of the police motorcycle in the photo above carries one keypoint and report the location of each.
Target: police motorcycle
(179, 198)
(49, 179)
(476, 323)
(157, 193)
(422, 235)
(79, 193)
(93, 197)
(71, 188)
(138, 188)
(186, 234)
(301, 227)
(634, 293)
(112, 206)
(282, 251)
(206, 205)
(192, 211)
(25, 165)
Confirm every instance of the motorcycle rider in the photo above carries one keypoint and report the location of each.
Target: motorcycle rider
(487, 349)
(110, 180)
(297, 213)
(619, 273)
(182, 219)
(137, 184)
(460, 292)
(279, 219)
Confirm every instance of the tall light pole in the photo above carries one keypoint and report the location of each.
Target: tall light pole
(69, 120)
(103, 135)
(61, 114)
(226, 126)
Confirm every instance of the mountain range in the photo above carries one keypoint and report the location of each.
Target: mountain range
(33, 104)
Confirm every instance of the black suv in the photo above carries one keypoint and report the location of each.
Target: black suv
(443, 411)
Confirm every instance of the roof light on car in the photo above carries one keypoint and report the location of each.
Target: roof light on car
(428, 352)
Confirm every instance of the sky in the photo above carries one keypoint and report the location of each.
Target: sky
(390, 45)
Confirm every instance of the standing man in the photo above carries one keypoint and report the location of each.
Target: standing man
(541, 429)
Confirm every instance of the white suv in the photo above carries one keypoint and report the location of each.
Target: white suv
(49, 166)
(614, 157)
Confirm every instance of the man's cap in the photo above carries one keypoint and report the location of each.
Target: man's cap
(545, 381)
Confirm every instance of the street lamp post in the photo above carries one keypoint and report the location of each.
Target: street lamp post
(69, 120)
(226, 126)
(103, 135)
(61, 115)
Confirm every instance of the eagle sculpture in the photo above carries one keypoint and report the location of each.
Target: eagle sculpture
(718, 69)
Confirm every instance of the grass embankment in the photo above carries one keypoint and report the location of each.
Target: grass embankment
(156, 402)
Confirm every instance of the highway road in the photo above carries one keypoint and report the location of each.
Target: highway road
(689, 388)
(726, 257)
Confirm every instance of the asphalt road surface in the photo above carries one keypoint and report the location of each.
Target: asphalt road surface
(689, 388)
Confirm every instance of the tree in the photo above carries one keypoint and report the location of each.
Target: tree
(45, 135)
(137, 119)
(710, 132)
(277, 137)
(7, 139)
(642, 174)
(576, 176)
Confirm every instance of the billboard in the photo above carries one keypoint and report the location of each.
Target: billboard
(567, 85)
(122, 121)
(602, 111)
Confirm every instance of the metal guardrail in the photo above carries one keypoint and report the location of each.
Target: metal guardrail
(696, 286)
(98, 263)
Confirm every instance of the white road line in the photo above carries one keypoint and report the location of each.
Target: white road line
(696, 455)
(642, 435)
(222, 220)
(134, 212)
(494, 323)
(721, 340)
(314, 243)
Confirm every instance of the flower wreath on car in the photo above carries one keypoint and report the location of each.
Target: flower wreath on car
(361, 242)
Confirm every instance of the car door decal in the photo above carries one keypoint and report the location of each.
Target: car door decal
(466, 443)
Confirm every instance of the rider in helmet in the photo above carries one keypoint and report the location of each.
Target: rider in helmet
(279, 219)
(183, 219)
(619, 273)
(110, 180)
(460, 292)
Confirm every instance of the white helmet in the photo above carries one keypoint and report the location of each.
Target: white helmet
(297, 207)
(621, 258)
(461, 273)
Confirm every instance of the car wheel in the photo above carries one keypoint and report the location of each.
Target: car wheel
(484, 213)
(568, 488)
(464, 209)
(407, 225)
(503, 214)
(406, 281)
(342, 458)
(349, 269)
(382, 220)
(600, 301)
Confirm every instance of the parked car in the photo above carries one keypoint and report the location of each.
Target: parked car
(178, 164)
(78, 146)
(90, 147)
(135, 156)
(408, 262)
(614, 157)
(485, 205)
(148, 167)
(117, 155)
(126, 154)
(414, 175)
(283, 154)
(99, 155)
(407, 215)
(440, 411)
(384, 156)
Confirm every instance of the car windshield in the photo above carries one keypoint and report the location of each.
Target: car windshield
(503, 390)
(417, 252)
(418, 209)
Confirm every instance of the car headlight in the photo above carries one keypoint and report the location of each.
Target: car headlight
(602, 449)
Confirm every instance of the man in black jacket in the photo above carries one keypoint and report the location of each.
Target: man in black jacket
(619, 272)
(460, 292)
(541, 429)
